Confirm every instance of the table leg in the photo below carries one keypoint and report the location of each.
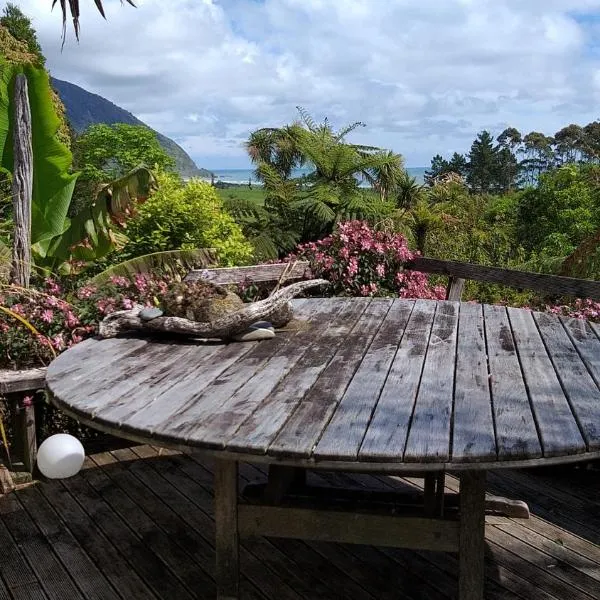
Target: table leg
(472, 535)
(226, 526)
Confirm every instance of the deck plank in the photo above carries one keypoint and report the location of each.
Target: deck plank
(94, 524)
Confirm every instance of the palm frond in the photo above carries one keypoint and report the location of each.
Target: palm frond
(174, 262)
(73, 9)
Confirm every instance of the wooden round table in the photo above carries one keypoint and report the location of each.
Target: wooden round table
(354, 384)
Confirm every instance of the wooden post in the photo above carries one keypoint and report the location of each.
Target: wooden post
(281, 480)
(22, 186)
(455, 288)
(226, 525)
(25, 443)
(472, 536)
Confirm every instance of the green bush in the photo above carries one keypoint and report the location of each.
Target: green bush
(185, 216)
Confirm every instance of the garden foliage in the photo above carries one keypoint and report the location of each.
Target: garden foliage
(186, 216)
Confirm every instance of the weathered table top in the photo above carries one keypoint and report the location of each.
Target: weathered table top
(356, 382)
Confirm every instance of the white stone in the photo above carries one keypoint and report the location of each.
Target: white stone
(253, 335)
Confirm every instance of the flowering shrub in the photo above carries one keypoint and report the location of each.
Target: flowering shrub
(359, 261)
(580, 308)
(37, 325)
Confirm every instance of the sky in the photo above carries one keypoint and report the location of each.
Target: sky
(423, 75)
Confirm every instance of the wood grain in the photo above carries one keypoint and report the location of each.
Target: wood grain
(557, 428)
(303, 430)
(22, 381)
(346, 430)
(226, 529)
(386, 434)
(576, 380)
(516, 433)
(473, 437)
(253, 273)
(472, 536)
(359, 382)
(549, 284)
(221, 389)
(261, 427)
(22, 184)
(429, 433)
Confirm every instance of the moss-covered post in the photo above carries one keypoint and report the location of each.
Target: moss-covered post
(22, 186)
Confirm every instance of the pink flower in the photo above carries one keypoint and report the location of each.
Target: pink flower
(71, 320)
(127, 303)
(47, 315)
(380, 270)
(58, 342)
(120, 281)
(352, 266)
(86, 292)
(27, 401)
(52, 287)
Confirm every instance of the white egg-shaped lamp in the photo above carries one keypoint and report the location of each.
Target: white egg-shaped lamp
(60, 456)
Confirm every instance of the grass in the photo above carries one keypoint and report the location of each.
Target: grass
(254, 194)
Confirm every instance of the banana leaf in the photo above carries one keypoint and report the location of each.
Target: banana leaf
(96, 230)
(172, 262)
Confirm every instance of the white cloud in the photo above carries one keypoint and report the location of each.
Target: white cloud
(425, 76)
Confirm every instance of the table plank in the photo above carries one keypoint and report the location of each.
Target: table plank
(386, 435)
(346, 430)
(261, 427)
(166, 397)
(558, 430)
(473, 436)
(191, 424)
(135, 374)
(66, 373)
(516, 433)
(224, 424)
(304, 428)
(578, 384)
(584, 337)
(429, 433)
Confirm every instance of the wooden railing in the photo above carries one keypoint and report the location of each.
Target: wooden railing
(14, 383)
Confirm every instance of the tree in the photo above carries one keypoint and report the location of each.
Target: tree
(19, 26)
(569, 143)
(458, 164)
(591, 141)
(110, 151)
(539, 156)
(331, 190)
(439, 167)
(509, 141)
(483, 164)
(74, 10)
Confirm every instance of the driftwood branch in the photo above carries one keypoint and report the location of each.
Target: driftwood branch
(275, 309)
(22, 186)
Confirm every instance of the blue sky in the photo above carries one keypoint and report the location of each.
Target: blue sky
(424, 75)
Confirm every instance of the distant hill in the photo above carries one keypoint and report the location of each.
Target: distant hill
(85, 108)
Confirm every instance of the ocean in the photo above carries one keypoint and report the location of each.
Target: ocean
(242, 176)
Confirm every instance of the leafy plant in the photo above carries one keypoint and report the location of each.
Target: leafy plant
(308, 207)
(360, 261)
(172, 263)
(185, 216)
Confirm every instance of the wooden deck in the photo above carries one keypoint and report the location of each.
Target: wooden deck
(135, 525)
